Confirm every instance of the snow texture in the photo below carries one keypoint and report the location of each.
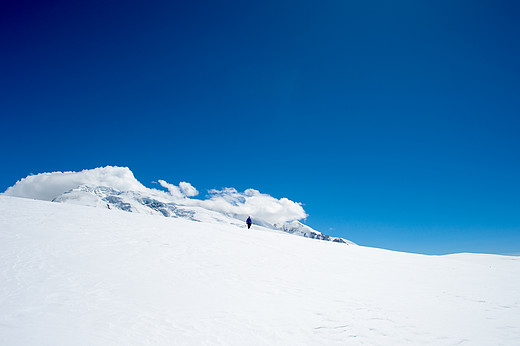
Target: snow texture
(74, 275)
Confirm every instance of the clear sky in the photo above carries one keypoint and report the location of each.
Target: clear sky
(395, 123)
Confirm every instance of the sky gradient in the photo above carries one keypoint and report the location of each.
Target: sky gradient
(395, 123)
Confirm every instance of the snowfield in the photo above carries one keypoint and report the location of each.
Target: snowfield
(77, 275)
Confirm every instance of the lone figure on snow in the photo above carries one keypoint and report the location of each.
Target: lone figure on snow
(249, 222)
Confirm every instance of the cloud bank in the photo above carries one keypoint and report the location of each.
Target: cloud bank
(47, 186)
(255, 204)
(260, 206)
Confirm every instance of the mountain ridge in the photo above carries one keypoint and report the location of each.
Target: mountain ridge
(158, 204)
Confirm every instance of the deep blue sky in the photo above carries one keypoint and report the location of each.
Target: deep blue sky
(396, 123)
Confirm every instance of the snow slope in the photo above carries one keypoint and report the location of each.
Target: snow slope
(74, 275)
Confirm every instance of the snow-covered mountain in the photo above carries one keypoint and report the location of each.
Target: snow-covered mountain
(298, 228)
(155, 204)
(76, 275)
(117, 188)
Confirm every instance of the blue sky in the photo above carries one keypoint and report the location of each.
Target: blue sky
(395, 123)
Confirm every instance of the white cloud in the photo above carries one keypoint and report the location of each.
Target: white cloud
(179, 192)
(251, 202)
(174, 190)
(187, 189)
(47, 186)
(255, 204)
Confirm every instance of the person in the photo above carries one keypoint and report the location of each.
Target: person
(249, 222)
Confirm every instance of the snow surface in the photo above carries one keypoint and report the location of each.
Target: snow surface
(74, 275)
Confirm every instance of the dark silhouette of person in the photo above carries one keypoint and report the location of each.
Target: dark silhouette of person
(249, 222)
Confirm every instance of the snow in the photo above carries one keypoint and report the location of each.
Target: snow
(76, 275)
